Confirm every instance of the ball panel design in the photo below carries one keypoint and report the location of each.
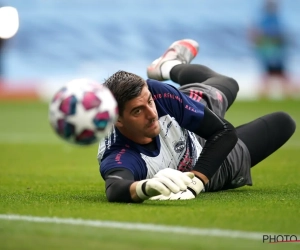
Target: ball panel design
(101, 119)
(68, 105)
(65, 129)
(59, 94)
(86, 137)
(90, 100)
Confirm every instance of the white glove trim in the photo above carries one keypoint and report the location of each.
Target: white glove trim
(196, 186)
(139, 190)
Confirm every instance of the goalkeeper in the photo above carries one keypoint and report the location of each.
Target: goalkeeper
(172, 144)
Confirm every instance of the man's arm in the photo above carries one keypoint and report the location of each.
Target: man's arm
(121, 187)
(221, 137)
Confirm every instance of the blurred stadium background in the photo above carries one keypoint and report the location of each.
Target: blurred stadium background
(61, 40)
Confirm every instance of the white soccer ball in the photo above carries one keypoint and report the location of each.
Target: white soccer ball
(83, 111)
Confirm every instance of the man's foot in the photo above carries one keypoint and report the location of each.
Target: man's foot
(180, 52)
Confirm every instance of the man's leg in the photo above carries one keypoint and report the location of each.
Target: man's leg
(266, 134)
(174, 65)
(257, 140)
(184, 74)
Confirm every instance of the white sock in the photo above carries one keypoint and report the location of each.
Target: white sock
(166, 68)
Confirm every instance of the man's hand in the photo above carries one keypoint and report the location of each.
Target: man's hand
(191, 192)
(165, 182)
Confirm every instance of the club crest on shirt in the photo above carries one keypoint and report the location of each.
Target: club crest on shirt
(179, 146)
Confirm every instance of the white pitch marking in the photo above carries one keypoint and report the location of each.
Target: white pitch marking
(139, 227)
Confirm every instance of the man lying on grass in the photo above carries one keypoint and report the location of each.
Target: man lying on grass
(172, 144)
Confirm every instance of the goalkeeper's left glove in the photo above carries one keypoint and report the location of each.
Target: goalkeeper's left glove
(193, 189)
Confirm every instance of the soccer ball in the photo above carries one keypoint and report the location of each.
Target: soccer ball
(83, 111)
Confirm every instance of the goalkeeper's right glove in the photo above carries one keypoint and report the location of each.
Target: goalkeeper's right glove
(165, 182)
(192, 191)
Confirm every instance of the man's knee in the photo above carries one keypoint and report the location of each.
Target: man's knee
(228, 86)
(232, 82)
(286, 122)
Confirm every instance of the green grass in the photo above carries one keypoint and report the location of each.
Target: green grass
(41, 175)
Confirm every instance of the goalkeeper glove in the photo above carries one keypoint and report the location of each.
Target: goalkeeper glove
(191, 192)
(165, 182)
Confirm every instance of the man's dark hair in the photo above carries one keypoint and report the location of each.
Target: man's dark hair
(124, 86)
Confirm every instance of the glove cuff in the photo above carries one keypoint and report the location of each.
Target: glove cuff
(200, 179)
(196, 186)
(141, 190)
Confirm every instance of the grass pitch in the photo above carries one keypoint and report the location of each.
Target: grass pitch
(43, 176)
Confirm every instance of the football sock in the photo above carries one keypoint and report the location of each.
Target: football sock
(166, 68)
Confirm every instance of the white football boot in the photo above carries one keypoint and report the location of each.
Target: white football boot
(180, 52)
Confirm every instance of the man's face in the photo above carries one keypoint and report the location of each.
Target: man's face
(139, 121)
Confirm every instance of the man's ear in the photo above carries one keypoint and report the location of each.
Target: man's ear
(119, 122)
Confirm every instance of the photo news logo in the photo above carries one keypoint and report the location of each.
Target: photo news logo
(280, 238)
